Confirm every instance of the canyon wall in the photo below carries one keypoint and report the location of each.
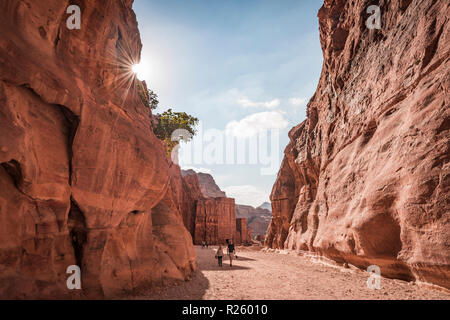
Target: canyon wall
(209, 187)
(214, 214)
(366, 177)
(242, 233)
(258, 219)
(215, 220)
(84, 181)
(191, 195)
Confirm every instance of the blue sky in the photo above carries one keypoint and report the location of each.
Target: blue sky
(240, 67)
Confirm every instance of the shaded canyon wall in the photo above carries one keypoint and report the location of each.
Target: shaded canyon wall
(84, 181)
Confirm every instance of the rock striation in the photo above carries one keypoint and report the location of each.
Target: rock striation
(214, 218)
(242, 234)
(366, 177)
(191, 195)
(84, 181)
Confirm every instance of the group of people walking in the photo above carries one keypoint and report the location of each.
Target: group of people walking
(230, 252)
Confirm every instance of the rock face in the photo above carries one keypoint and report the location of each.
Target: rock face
(84, 181)
(209, 187)
(213, 218)
(215, 221)
(258, 219)
(366, 178)
(241, 231)
(191, 195)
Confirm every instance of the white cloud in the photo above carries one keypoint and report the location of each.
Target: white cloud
(196, 169)
(247, 103)
(256, 123)
(298, 101)
(247, 194)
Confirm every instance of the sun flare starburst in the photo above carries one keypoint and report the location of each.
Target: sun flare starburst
(136, 69)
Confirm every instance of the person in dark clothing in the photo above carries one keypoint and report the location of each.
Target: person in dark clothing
(230, 250)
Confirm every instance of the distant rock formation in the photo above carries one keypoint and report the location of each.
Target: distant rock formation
(83, 179)
(215, 220)
(258, 219)
(209, 187)
(366, 177)
(241, 231)
(214, 217)
(266, 205)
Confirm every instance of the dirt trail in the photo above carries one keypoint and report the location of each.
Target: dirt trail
(264, 275)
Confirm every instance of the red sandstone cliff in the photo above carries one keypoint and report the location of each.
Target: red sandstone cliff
(215, 220)
(191, 195)
(211, 218)
(242, 233)
(209, 187)
(83, 178)
(366, 177)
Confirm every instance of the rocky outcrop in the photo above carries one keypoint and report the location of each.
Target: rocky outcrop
(215, 220)
(365, 179)
(84, 181)
(191, 195)
(258, 219)
(214, 217)
(242, 233)
(209, 187)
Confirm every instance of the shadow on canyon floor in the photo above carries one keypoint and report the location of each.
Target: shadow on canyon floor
(194, 289)
(199, 285)
(226, 267)
(241, 258)
(264, 275)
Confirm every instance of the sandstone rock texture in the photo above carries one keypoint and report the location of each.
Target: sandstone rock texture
(84, 181)
(215, 220)
(366, 177)
(213, 214)
(242, 235)
(191, 195)
(258, 219)
(209, 187)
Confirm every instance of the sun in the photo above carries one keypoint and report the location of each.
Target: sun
(137, 70)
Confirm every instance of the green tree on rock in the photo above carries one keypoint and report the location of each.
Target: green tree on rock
(168, 122)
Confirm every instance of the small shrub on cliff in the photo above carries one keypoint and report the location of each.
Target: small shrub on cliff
(168, 121)
(148, 97)
(153, 99)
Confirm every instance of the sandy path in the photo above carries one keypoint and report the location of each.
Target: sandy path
(262, 275)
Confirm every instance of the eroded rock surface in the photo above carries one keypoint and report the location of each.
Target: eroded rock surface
(258, 219)
(214, 214)
(243, 235)
(215, 220)
(83, 178)
(365, 178)
(209, 187)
